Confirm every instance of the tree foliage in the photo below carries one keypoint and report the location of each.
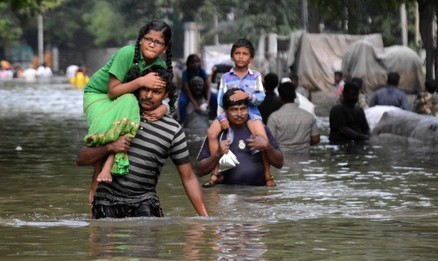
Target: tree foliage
(107, 23)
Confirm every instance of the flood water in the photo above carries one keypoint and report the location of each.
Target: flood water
(373, 202)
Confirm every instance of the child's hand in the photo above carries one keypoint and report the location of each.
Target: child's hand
(225, 124)
(156, 114)
(152, 80)
(239, 95)
(121, 144)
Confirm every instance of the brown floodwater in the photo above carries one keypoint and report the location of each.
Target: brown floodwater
(372, 202)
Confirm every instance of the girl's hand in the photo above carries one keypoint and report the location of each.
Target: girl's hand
(156, 114)
(239, 95)
(152, 80)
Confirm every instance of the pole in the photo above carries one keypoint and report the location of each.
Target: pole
(40, 39)
(404, 24)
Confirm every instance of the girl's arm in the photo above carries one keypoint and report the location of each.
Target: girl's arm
(116, 88)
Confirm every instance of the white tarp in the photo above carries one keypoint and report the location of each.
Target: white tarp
(319, 55)
(373, 64)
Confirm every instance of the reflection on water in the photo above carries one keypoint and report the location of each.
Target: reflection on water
(373, 202)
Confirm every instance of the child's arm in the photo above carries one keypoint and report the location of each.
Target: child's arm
(159, 112)
(116, 88)
(258, 95)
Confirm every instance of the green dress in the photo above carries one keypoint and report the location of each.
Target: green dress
(107, 118)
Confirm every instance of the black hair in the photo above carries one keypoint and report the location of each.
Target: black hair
(190, 58)
(349, 86)
(227, 102)
(286, 92)
(243, 43)
(431, 85)
(170, 86)
(270, 81)
(159, 26)
(393, 78)
(339, 73)
(358, 81)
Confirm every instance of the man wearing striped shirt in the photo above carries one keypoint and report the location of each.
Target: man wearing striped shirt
(134, 194)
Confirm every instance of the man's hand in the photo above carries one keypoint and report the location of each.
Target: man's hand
(239, 95)
(121, 144)
(257, 143)
(224, 147)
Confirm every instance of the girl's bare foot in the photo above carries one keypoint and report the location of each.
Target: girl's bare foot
(105, 177)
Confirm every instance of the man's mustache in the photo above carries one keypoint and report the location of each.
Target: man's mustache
(146, 100)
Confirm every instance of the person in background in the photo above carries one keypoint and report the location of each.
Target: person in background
(29, 74)
(347, 120)
(71, 70)
(250, 170)
(80, 79)
(193, 68)
(427, 101)
(5, 71)
(134, 194)
(44, 72)
(299, 88)
(293, 128)
(250, 81)
(339, 84)
(390, 95)
(197, 120)
(271, 102)
(363, 97)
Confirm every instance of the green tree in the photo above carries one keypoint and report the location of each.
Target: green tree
(15, 15)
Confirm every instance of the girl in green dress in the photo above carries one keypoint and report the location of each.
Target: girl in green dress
(111, 109)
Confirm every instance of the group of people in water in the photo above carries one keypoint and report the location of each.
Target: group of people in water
(129, 105)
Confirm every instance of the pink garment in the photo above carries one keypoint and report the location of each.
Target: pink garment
(339, 90)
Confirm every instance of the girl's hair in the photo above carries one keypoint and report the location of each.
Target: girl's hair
(243, 43)
(191, 58)
(159, 26)
(170, 86)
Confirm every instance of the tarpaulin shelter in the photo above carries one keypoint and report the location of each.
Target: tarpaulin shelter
(373, 64)
(315, 58)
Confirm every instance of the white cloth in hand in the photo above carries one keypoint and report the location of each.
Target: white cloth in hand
(228, 161)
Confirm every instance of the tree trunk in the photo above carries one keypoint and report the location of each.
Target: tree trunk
(426, 30)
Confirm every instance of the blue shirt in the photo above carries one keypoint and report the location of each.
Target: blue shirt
(250, 83)
(250, 171)
(390, 96)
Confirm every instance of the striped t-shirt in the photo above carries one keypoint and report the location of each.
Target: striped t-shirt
(154, 142)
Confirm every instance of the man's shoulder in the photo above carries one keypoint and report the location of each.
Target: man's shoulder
(166, 123)
(337, 107)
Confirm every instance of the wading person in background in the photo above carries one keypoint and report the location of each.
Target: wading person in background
(347, 120)
(250, 87)
(250, 170)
